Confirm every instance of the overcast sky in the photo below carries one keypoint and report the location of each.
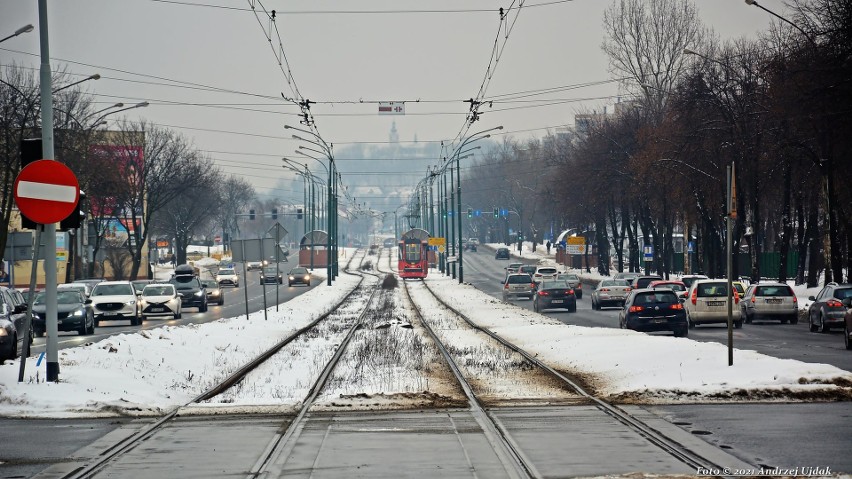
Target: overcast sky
(430, 54)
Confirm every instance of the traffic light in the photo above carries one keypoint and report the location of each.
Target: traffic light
(470, 212)
(496, 213)
(251, 214)
(274, 213)
(299, 213)
(75, 219)
(30, 152)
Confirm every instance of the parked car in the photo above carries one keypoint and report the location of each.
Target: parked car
(610, 292)
(847, 323)
(678, 287)
(502, 253)
(214, 292)
(518, 284)
(550, 294)
(160, 300)
(827, 310)
(642, 282)
(654, 310)
(543, 273)
(12, 322)
(84, 288)
(271, 274)
(688, 279)
(770, 301)
(299, 275)
(227, 277)
(513, 267)
(192, 293)
(707, 303)
(115, 300)
(574, 282)
(72, 313)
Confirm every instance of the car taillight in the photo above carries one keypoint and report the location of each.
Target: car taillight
(543, 293)
(532, 286)
(627, 290)
(833, 303)
(795, 300)
(736, 297)
(676, 306)
(570, 291)
(636, 309)
(695, 297)
(579, 286)
(753, 299)
(506, 286)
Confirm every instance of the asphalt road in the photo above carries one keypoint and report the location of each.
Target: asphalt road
(235, 305)
(787, 341)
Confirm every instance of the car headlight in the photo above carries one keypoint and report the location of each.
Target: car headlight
(131, 303)
(292, 278)
(308, 278)
(79, 312)
(200, 293)
(3, 332)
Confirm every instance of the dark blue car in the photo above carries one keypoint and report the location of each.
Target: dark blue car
(654, 310)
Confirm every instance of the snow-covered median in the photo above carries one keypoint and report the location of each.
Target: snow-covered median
(636, 367)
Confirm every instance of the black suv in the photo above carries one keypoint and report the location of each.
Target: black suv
(827, 309)
(642, 282)
(502, 253)
(190, 289)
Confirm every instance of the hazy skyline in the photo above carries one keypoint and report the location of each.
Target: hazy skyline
(431, 55)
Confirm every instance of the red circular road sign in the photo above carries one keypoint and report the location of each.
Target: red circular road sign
(46, 191)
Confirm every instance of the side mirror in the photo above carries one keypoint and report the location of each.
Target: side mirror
(88, 301)
(4, 309)
(811, 298)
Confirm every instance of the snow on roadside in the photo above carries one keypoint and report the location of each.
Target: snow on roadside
(153, 370)
(638, 367)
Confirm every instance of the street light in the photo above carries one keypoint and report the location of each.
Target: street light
(457, 154)
(96, 76)
(24, 29)
(754, 2)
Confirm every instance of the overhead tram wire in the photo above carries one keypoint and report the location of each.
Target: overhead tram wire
(354, 12)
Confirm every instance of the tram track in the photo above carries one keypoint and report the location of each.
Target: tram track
(660, 440)
(128, 443)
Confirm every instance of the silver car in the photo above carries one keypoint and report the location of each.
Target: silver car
(707, 303)
(610, 292)
(770, 301)
(518, 285)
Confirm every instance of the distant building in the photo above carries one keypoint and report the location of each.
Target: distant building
(394, 135)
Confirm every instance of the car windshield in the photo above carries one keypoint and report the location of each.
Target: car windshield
(553, 285)
(569, 277)
(226, 272)
(547, 270)
(671, 286)
(655, 297)
(185, 282)
(614, 282)
(62, 297)
(298, 271)
(210, 284)
(519, 279)
(843, 293)
(113, 290)
(270, 270)
(773, 291)
(159, 290)
(711, 290)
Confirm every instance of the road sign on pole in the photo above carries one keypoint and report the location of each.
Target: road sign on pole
(46, 191)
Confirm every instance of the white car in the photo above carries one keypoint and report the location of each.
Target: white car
(115, 300)
(160, 300)
(707, 303)
(252, 265)
(227, 277)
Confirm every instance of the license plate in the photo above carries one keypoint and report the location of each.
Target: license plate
(715, 303)
(658, 321)
(773, 301)
(557, 301)
(110, 313)
(157, 310)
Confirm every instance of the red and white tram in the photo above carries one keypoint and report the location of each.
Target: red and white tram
(414, 254)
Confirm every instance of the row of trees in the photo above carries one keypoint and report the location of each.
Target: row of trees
(150, 179)
(777, 107)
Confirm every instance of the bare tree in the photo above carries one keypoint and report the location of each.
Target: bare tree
(645, 44)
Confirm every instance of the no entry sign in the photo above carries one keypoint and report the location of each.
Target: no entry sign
(46, 191)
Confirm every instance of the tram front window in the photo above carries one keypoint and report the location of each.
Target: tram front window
(412, 253)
